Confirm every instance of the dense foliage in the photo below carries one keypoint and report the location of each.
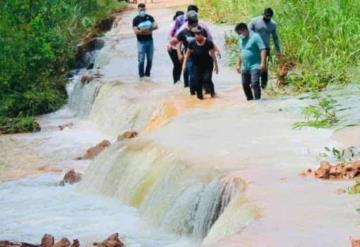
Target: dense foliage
(321, 36)
(38, 41)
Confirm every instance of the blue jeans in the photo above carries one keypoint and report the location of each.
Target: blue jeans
(189, 76)
(145, 49)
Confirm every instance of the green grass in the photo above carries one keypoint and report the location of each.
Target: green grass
(38, 43)
(320, 114)
(322, 36)
(18, 125)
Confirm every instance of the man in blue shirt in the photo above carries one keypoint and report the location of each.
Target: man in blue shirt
(252, 60)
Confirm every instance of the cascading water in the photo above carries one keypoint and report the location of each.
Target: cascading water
(169, 191)
(184, 178)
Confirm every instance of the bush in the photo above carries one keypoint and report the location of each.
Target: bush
(38, 42)
(323, 36)
(18, 125)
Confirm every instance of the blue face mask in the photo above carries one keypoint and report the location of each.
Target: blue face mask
(142, 13)
(242, 36)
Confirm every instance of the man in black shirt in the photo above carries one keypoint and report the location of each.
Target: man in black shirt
(143, 25)
(185, 37)
(202, 53)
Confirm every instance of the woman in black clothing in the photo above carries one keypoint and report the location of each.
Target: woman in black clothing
(173, 51)
(202, 52)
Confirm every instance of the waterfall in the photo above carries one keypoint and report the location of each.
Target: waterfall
(169, 191)
(82, 95)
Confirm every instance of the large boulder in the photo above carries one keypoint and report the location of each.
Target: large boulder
(91, 153)
(112, 241)
(64, 242)
(47, 241)
(71, 177)
(338, 171)
(355, 243)
(127, 135)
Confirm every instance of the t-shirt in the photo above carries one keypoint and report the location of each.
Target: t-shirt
(201, 53)
(186, 36)
(179, 21)
(250, 51)
(265, 29)
(140, 20)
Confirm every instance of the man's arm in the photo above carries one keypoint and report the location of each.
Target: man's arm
(210, 37)
(213, 56)
(263, 60)
(238, 64)
(137, 31)
(187, 55)
(276, 41)
(263, 54)
(155, 26)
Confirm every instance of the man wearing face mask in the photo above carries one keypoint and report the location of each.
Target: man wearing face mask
(143, 26)
(266, 27)
(252, 60)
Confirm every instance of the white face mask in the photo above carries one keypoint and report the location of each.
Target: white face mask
(142, 13)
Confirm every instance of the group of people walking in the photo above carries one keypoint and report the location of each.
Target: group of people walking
(193, 52)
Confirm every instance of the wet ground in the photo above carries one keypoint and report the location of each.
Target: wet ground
(227, 135)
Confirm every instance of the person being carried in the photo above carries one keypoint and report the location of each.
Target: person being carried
(252, 61)
(202, 52)
(143, 26)
(266, 27)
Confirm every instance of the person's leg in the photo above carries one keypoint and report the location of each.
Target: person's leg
(246, 81)
(186, 77)
(197, 82)
(141, 58)
(255, 83)
(189, 67)
(208, 83)
(149, 57)
(177, 66)
(265, 73)
(174, 60)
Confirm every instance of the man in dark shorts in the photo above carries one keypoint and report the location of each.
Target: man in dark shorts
(202, 52)
(252, 59)
(143, 26)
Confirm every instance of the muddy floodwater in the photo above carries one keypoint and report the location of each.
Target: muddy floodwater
(218, 172)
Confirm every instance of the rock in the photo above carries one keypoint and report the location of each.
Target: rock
(127, 135)
(85, 79)
(47, 241)
(64, 126)
(355, 243)
(334, 172)
(16, 244)
(64, 242)
(283, 69)
(76, 243)
(324, 170)
(71, 177)
(94, 151)
(112, 241)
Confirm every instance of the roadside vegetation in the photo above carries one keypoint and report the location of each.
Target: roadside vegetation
(38, 43)
(320, 114)
(322, 37)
